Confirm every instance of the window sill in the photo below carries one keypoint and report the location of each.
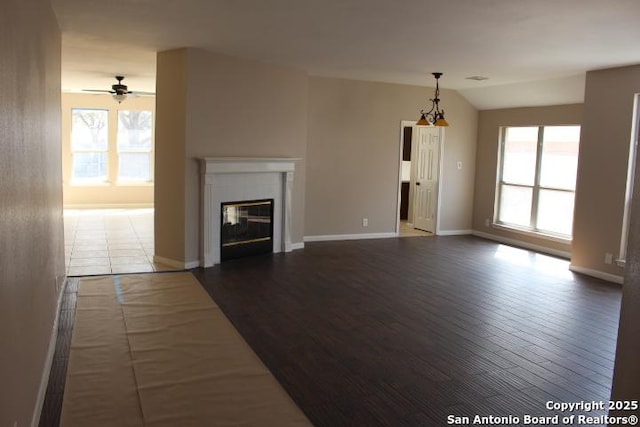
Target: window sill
(134, 183)
(537, 234)
(111, 184)
(90, 184)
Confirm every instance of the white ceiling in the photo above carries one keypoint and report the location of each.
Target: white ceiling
(535, 52)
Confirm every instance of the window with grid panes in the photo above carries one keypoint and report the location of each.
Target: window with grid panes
(537, 177)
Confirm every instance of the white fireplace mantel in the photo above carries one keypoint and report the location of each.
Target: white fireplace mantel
(228, 179)
(211, 165)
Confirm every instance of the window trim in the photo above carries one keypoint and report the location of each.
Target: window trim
(536, 188)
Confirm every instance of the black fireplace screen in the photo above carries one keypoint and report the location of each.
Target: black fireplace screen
(246, 229)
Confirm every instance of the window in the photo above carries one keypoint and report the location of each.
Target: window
(537, 178)
(89, 145)
(110, 147)
(134, 145)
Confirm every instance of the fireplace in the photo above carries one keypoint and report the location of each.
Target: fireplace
(246, 228)
(225, 179)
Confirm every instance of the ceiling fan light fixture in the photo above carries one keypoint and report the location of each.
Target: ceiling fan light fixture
(120, 91)
(119, 97)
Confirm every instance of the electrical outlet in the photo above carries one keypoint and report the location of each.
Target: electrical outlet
(487, 222)
(365, 222)
(608, 258)
(460, 165)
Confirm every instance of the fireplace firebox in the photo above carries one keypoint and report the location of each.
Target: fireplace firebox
(246, 228)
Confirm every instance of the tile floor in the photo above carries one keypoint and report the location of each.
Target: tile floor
(109, 241)
(407, 231)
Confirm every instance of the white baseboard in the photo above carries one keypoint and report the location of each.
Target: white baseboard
(453, 232)
(519, 243)
(108, 206)
(296, 246)
(44, 380)
(191, 264)
(331, 237)
(182, 265)
(597, 274)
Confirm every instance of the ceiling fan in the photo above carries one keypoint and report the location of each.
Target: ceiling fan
(119, 91)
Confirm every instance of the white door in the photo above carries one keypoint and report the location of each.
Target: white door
(426, 178)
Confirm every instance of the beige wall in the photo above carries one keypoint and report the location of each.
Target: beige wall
(31, 234)
(111, 194)
(169, 189)
(487, 162)
(234, 107)
(602, 168)
(353, 155)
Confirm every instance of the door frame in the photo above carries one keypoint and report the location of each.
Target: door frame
(412, 123)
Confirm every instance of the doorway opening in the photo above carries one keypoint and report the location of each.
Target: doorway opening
(418, 180)
(108, 154)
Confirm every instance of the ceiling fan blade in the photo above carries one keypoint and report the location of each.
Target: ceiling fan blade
(98, 91)
(142, 93)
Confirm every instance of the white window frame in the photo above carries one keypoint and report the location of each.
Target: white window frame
(535, 188)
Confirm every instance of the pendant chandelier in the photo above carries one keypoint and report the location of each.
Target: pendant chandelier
(435, 116)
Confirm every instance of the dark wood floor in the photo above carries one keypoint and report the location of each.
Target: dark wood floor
(403, 332)
(52, 406)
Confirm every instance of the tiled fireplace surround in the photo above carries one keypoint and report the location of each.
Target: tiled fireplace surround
(231, 179)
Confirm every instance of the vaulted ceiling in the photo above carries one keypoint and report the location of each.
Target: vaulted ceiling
(534, 52)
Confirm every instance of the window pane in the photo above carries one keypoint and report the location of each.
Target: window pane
(560, 157)
(555, 211)
(519, 162)
(89, 129)
(134, 131)
(134, 166)
(515, 205)
(90, 166)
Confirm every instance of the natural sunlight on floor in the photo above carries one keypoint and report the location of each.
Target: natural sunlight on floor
(109, 241)
(544, 263)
